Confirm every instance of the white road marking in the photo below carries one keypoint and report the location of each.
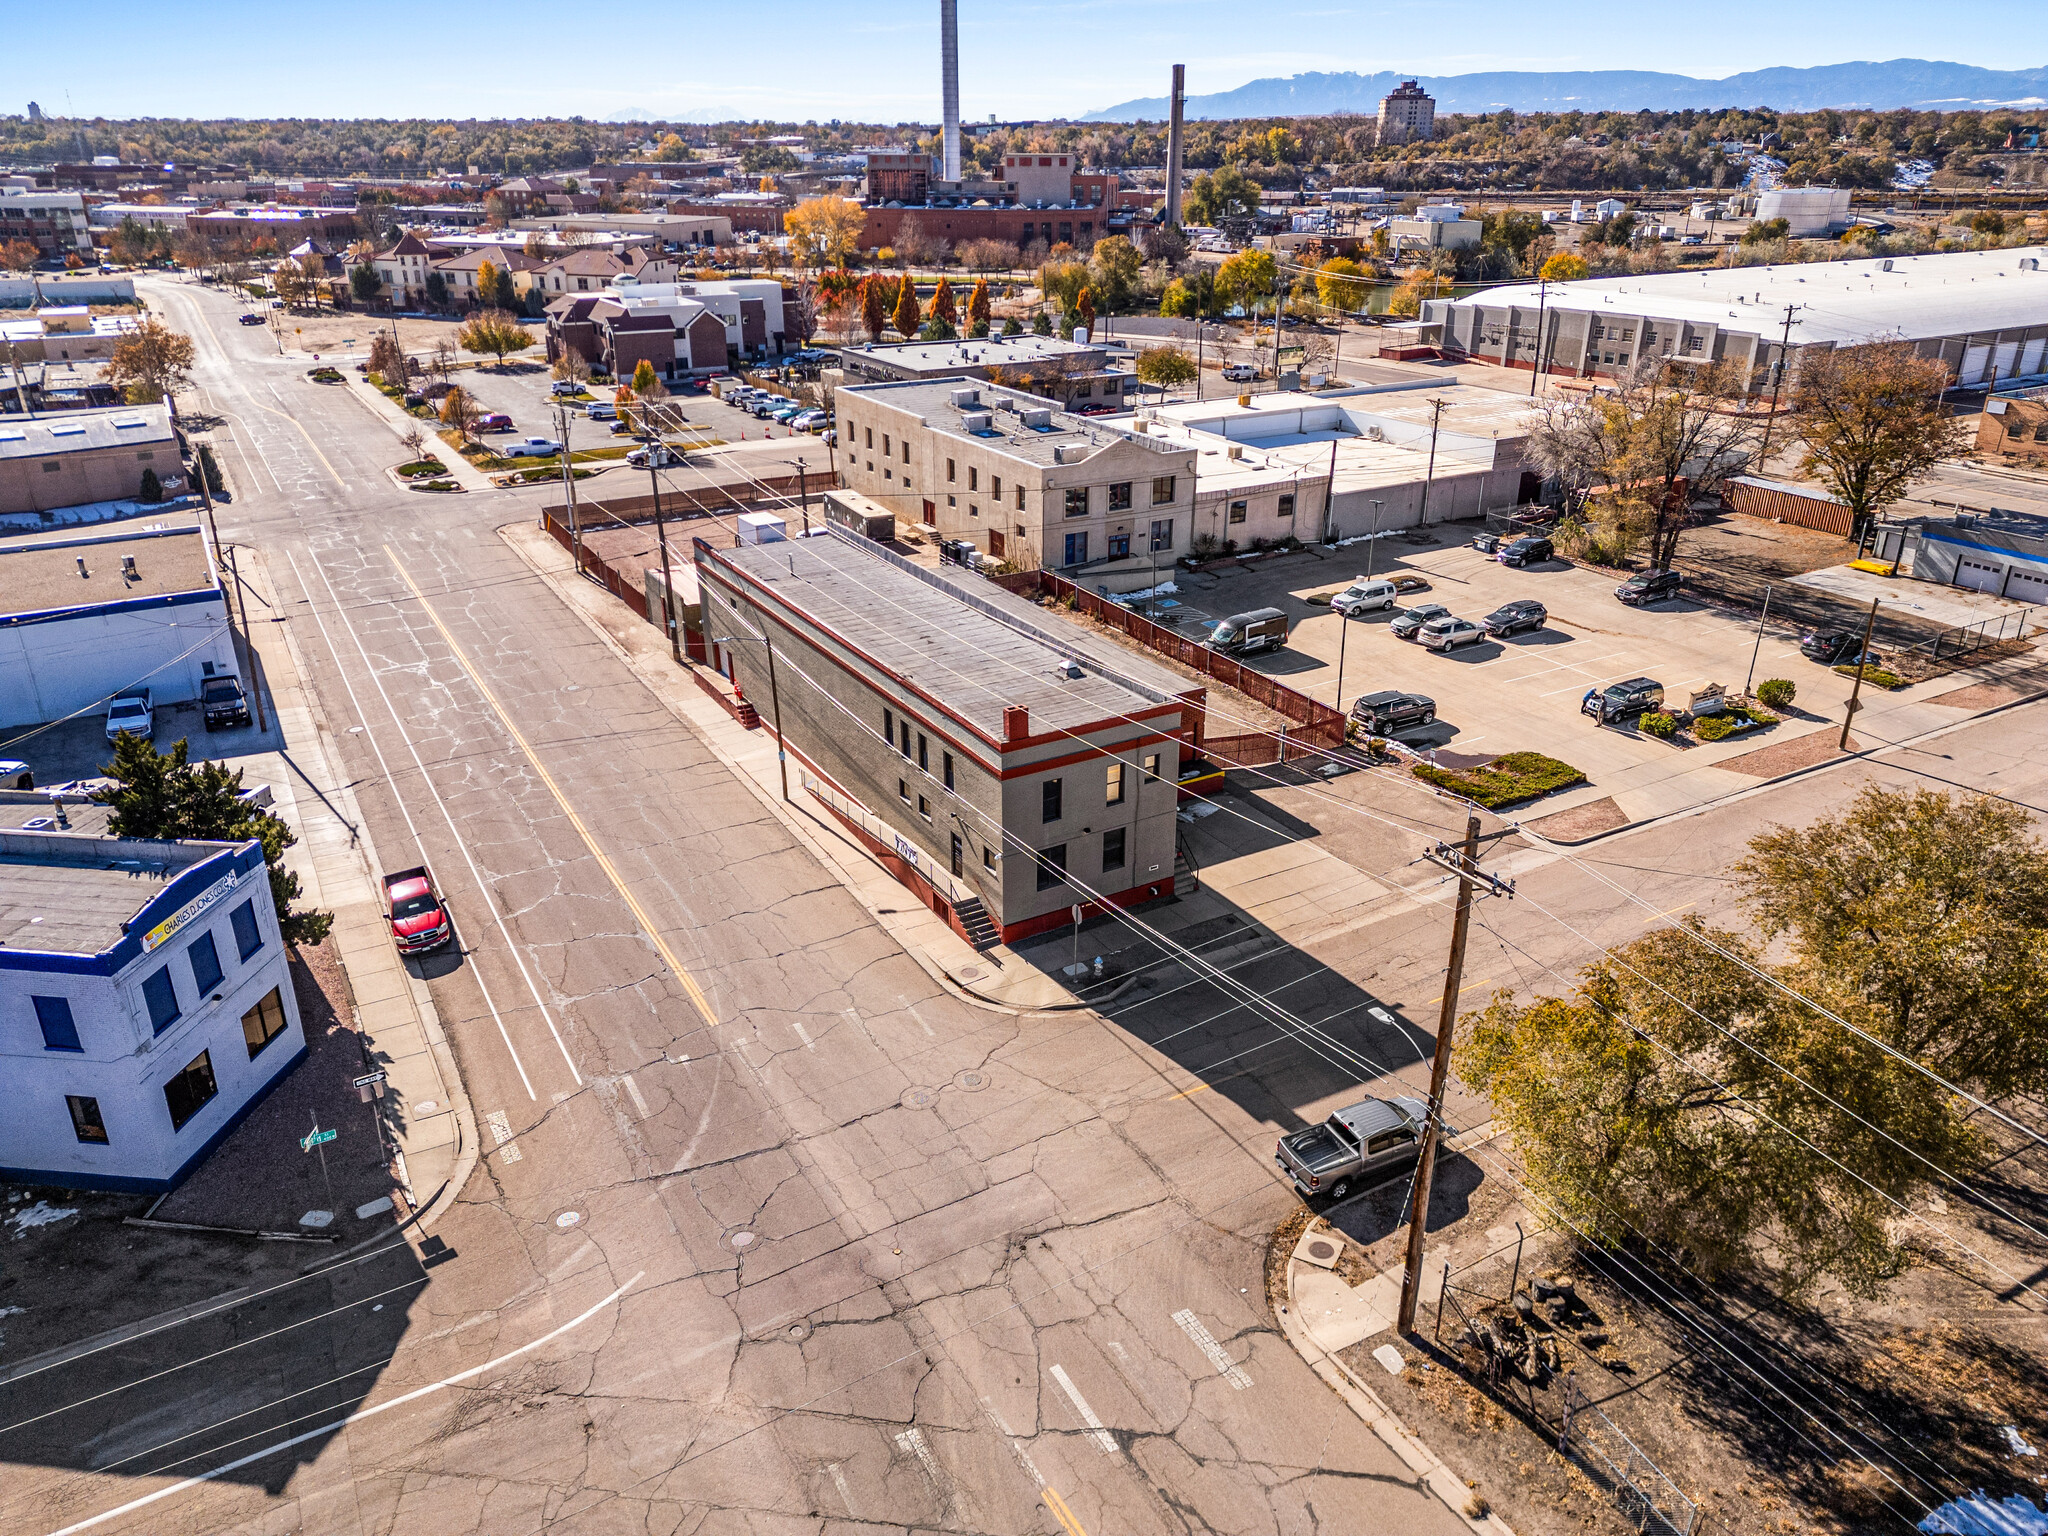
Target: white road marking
(327, 1429)
(803, 1035)
(912, 1440)
(501, 1128)
(1017, 1446)
(633, 1093)
(920, 1019)
(1121, 1353)
(839, 1482)
(1103, 1439)
(1205, 1341)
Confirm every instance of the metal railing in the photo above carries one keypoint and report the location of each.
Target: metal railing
(1967, 639)
(1641, 1490)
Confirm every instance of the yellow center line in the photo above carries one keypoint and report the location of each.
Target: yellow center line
(1061, 1513)
(689, 983)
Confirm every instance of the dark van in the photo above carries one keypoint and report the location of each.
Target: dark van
(1244, 634)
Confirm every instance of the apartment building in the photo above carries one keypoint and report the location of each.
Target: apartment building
(1019, 479)
(1407, 114)
(53, 222)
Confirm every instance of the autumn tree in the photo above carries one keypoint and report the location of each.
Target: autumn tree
(1564, 267)
(150, 362)
(942, 306)
(1870, 421)
(386, 360)
(874, 306)
(824, 231)
(289, 282)
(19, 255)
(1062, 281)
(460, 411)
(494, 290)
(1113, 271)
(1342, 284)
(906, 316)
(1166, 367)
(978, 309)
(495, 332)
(572, 366)
(1246, 277)
(1222, 194)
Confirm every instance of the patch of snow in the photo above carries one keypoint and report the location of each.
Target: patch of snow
(1979, 1516)
(13, 1311)
(41, 1214)
(2015, 1445)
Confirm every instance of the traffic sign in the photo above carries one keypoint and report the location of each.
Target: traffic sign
(368, 1078)
(317, 1139)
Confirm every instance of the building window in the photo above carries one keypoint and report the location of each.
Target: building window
(903, 790)
(1286, 508)
(1119, 545)
(1151, 765)
(1113, 786)
(263, 1023)
(1162, 490)
(973, 478)
(86, 1123)
(1077, 549)
(1120, 496)
(191, 1090)
(949, 469)
(906, 450)
(869, 434)
(988, 856)
(1049, 794)
(1113, 849)
(1162, 534)
(1052, 867)
(206, 971)
(1237, 509)
(946, 761)
(924, 754)
(958, 860)
(995, 486)
(51, 466)
(248, 937)
(973, 510)
(1077, 501)
(889, 727)
(924, 808)
(903, 737)
(886, 450)
(1020, 500)
(60, 1033)
(161, 998)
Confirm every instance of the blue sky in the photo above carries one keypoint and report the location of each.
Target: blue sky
(802, 58)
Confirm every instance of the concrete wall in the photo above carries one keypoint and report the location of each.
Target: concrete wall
(20, 292)
(51, 668)
(113, 473)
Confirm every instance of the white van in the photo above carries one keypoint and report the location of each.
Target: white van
(1363, 596)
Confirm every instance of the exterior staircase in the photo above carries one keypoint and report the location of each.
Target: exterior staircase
(1185, 869)
(974, 918)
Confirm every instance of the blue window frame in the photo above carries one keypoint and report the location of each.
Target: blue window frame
(1077, 549)
(248, 937)
(59, 1032)
(162, 999)
(206, 971)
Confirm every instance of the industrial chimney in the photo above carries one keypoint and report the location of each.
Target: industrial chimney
(949, 84)
(1173, 146)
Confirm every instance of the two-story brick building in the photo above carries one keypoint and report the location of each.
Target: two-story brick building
(1021, 480)
(970, 740)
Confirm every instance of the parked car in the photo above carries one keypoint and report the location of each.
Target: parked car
(787, 413)
(1240, 373)
(1832, 648)
(533, 448)
(1649, 587)
(1508, 618)
(494, 421)
(1691, 240)
(1487, 543)
(419, 921)
(1391, 710)
(249, 319)
(601, 410)
(1449, 632)
(1617, 701)
(1094, 408)
(1527, 550)
(659, 454)
(1244, 634)
(222, 702)
(131, 712)
(811, 421)
(15, 774)
(565, 387)
(1363, 596)
(1355, 1148)
(1408, 622)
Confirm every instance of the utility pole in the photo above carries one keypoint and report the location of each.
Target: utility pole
(248, 645)
(1856, 688)
(569, 487)
(1278, 279)
(668, 587)
(1763, 453)
(1373, 543)
(775, 711)
(1467, 870)
(1330, 498)
(1437, 408)
(803, 489)
(1536, 368)
(1753, 650)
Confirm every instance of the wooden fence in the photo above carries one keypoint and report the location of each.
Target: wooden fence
(1316, 727)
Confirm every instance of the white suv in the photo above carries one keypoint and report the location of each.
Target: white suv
(131, 712)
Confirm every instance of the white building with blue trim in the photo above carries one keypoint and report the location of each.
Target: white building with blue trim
(145, 1005)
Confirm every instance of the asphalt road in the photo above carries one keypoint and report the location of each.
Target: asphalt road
(777, 1232)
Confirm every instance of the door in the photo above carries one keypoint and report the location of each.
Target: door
(2030, 358)
(1077, 549)
(1975, 361)
(995, 544)
(2004, 360)
(1980, 575)
(2025, 586)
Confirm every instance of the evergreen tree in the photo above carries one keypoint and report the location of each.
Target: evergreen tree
(905, 319)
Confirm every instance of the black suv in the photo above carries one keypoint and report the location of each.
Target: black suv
(1649, 587)
(1408, 622)
(1525, 613)
(1831, 648)
(1637, 696)
(223, 702)
(1389, 711)
(1527, 551)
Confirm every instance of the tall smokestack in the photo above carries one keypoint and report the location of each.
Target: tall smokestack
(1173, 146)
(949, 78)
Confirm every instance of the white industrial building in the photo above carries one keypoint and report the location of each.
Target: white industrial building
(1984, 313)
(145, 1005)
(84, 616)
(1811, 212)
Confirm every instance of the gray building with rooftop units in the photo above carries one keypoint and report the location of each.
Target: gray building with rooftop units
(968, 738)
(1065, 372)
(145, 1004)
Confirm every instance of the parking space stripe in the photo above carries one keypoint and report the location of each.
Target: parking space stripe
(1205, 1341)
(1104, 1440)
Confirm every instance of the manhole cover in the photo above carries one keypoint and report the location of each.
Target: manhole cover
(798, 1331)
(970, 973)
(742, 1242)
(918, 1098)
(567, 1219)
(972, 1080)
(1322, 1250)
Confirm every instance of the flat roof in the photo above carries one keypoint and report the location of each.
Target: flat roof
(39, 573)
(988, 352)
(40, 435)
(1841, 302)
(73, 894)
(972, 646)
(932, 399)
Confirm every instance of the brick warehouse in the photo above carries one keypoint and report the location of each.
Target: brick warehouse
(964, 735)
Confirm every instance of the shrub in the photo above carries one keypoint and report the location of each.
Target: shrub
(1877, 677)
(1717, 727)
(1511, 777)
(1658, 723)
(152, 488)
(1776, 692)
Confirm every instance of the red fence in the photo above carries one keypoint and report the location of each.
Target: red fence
(624, 585)
(1316, 726)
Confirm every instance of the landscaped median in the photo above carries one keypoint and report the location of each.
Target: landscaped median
(1506, 780)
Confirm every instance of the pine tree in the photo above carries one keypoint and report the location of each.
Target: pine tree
(874, 306)
(152, 488)
(978, 308)
(905, 319)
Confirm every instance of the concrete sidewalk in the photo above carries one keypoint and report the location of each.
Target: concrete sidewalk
(997, 977)
(425, 1110)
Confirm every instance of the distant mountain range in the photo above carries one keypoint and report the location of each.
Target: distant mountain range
(1916, 83)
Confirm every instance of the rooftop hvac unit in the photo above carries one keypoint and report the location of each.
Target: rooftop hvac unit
(978, 421)
(1377, 434)
(1070, 453)
(962, 398)
(1237, 450)
(1039, 417)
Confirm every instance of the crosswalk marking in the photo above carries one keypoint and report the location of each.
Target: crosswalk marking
(1104, 1440)
(501, 1128)
(1205, 1341)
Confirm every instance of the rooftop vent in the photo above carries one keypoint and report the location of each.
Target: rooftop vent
(81, 567)
(1237, 450)
(128, 567)
(1067, 668)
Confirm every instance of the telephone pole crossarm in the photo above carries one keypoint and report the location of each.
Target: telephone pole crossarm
(1446, 856)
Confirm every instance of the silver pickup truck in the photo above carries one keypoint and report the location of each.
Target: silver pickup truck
(1355, 1148)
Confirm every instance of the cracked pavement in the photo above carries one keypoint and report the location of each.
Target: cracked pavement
(840, 1311)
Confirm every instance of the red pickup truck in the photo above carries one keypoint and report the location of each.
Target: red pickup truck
(419, 922)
